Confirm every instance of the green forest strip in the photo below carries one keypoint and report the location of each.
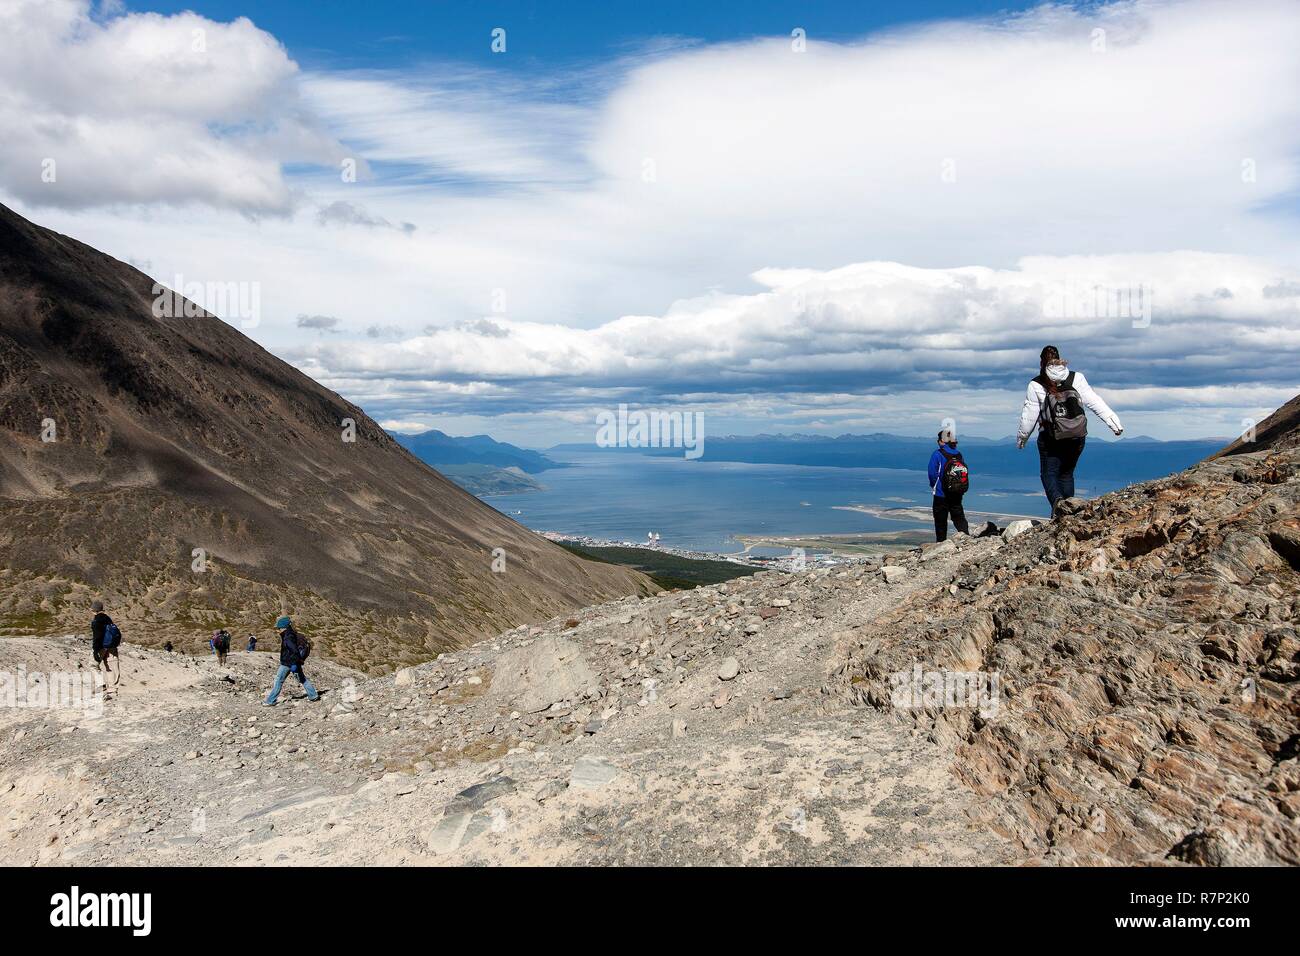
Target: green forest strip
(669, 571)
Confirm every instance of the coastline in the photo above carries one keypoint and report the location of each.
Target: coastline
(923, 515)
(819, 550)
(787, 562)
(844, 545)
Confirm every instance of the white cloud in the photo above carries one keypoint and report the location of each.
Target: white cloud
(454, 126)
(874, 346)
(895, 323)
(698, 193)
(142, 108)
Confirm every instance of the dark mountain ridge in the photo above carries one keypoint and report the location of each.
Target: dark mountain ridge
(438, 448)
(192, 479)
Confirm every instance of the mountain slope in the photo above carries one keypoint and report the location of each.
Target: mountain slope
(1150, 661)
(488, 480)
(1146, 711)
(1281, 430)
(177, 434)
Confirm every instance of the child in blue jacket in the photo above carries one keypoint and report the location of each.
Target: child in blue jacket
(944, 506)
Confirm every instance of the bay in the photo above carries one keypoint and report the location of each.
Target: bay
(701, 505)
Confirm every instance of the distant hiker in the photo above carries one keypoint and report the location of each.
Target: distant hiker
(949, 480)
(1055, 403)
(294, 649)
(252, 643)
(168, 647)
(221, 644)
(104, 640)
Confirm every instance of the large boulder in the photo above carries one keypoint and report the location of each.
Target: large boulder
(550, 669)
(893, 573)
(937, 549)
(1070, 506)
(1284, 536)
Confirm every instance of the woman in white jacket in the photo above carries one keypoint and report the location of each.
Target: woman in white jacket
(1055, 403)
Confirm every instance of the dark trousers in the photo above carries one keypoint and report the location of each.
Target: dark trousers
(1056, 461)
(943, 508)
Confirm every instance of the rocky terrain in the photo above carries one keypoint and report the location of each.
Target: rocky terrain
(629, 733)
(1145, 710)
(153, 456)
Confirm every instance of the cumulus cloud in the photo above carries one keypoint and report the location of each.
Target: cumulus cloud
(484, 327)
(343, 213)
(827, 339)
(321, 323)
(676, 227)
(900, 323)
(953, 143)
(1282, 290)
(143, 108)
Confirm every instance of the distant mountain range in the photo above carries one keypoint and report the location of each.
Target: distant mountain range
(479, 464)
(438, 448)
(1128, 459)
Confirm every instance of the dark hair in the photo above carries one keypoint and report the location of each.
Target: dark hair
(1049, 354)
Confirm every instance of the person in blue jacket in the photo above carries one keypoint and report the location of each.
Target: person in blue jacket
(293, 653)
(945, 507)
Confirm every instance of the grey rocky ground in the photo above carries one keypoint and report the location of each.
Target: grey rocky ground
(1147, 711)
(608, 737)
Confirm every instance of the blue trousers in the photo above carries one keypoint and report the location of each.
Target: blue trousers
(284, 672)
(1056, 461)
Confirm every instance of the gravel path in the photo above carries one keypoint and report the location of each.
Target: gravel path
(185, 765)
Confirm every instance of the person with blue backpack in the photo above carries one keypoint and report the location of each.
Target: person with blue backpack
(949, 479)
(105, 637)
(294, 649)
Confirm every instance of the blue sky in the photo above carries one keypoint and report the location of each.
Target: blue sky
(338, 33)
(682, 206)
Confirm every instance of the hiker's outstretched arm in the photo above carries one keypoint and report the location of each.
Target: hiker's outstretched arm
(1097, 404)
(1029, 412)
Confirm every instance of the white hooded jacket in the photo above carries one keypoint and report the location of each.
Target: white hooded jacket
(1032, 413)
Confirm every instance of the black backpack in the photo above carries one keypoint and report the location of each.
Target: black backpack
(304, 647)
(955, 475)
(1063, 414)
(112, 635)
